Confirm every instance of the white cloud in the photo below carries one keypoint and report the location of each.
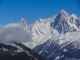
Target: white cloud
(14, 34)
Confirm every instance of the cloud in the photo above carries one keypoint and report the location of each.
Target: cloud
(14, 34)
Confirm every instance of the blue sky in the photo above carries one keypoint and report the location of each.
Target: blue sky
(11, 11)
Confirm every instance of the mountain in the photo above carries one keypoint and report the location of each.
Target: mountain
(65, 23)
(22, 24)
(66, 45)
(62, 22)
(17, 51)
(55, 38)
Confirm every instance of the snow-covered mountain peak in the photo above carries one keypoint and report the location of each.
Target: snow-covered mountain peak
(74, 16)
(23, 20)
(63, 13)
(65, 22)
(23, 23)
(62, 17)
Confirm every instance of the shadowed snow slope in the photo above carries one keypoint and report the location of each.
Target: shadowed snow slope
(64, 46)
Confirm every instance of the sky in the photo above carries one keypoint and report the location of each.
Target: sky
(11, 11)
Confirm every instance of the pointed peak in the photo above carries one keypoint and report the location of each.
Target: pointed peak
(23, 20)
(74, 16)
(62, 10)
(63, 13)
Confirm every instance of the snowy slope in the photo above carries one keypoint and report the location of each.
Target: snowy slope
(40, 30)
(65, 44)
(62, 47)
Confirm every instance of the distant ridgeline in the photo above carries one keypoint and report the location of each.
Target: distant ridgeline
(17, 51)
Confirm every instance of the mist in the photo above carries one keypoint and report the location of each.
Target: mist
(8, 34)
